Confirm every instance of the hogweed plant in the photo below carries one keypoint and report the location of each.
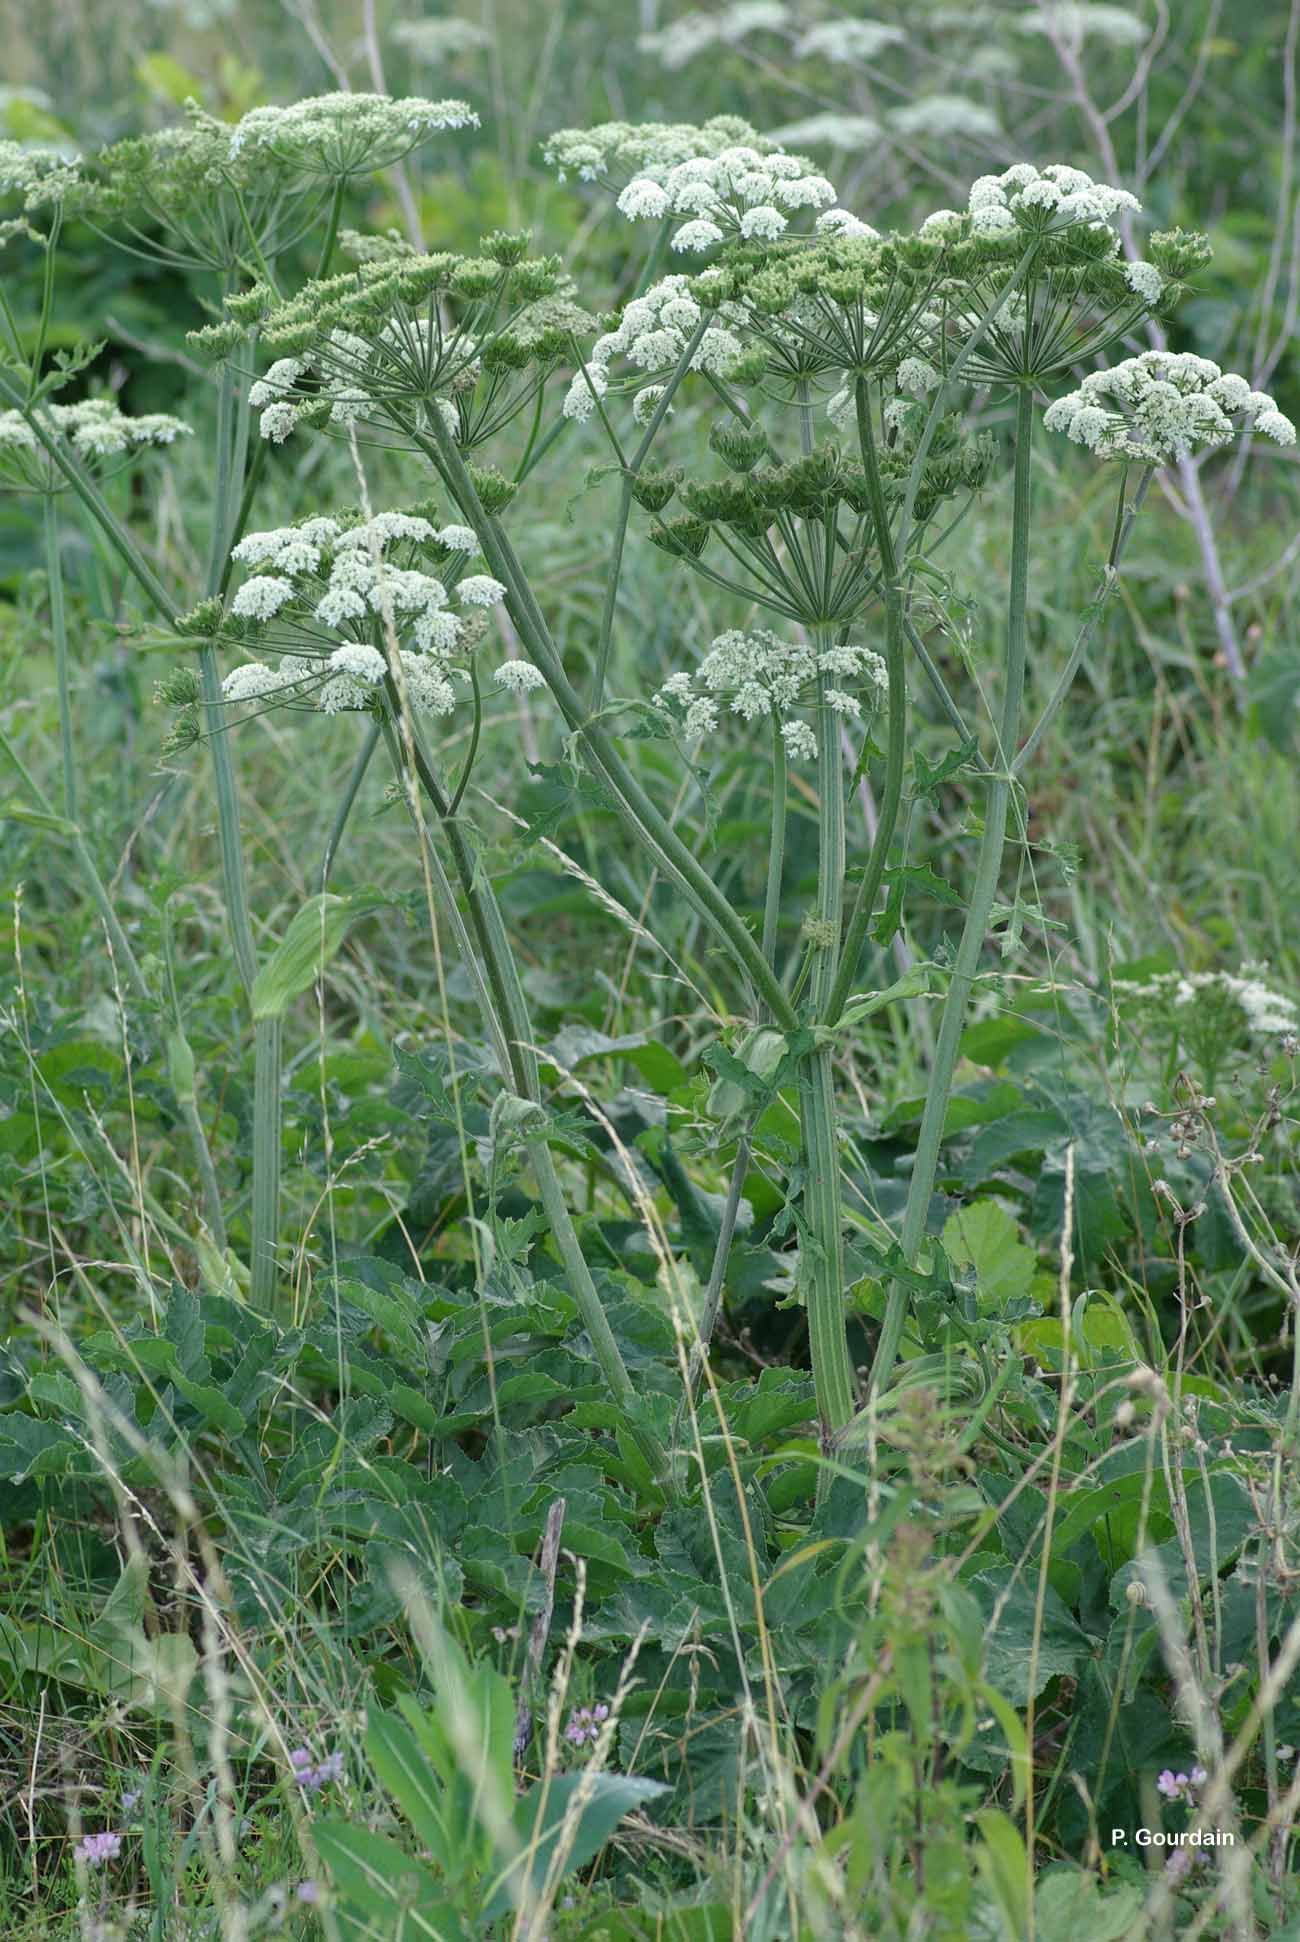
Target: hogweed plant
(851, 382)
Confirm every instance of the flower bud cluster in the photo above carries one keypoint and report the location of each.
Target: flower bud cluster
(762, 676)
(1161, 405)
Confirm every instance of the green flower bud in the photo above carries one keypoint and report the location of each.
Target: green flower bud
(738, 446)
(506, 247)
(680, 535)
(495, 491)
(654, 487)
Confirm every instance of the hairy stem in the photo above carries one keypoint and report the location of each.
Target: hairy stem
(979, 910)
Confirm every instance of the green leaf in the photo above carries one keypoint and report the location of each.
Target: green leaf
(386, 1882)
(312, 939)
(985, 1237)
(1005, 1868)
(15, 810)
(404, 1768)
(1069, 1905)
(570, 1817)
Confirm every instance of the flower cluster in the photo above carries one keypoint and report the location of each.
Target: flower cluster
(321, 579)
(37, 178)
(683, 40)
(585, 1723)
(764, 676)
(1026, 200)
(343, 135)
(653, 334)
(614, 151)
(311, 1774)
(1244, 1001)
(738, 193)
(96, 1849)
(1161, 405)
(1181, 1786)
(94, 427)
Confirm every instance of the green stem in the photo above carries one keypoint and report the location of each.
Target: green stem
(59, 631)
(896, 749)
(331, 228)
(47, 304)
(824, 1234)
(648, 826)
(979, 910)
(181, 1065)
(505, 1010)
(266, 1163)
(630, 474)
(232, 425)
(1124, 524)
(776, 844)
(344, 810)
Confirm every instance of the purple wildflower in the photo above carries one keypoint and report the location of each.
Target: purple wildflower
(308, 1892)
(584, 1723)
(311, 1775)
(96, 1849)
(1181, 1786)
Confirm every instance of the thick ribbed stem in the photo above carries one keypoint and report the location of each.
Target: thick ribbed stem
(823, 1238)
(896, 749)
(266, 1162)
(59, 635)
(980, 908)
(775, 844)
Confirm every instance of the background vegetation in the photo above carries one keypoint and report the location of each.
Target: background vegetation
(225, 1539)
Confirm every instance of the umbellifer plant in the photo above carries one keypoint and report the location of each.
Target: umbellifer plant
(836, 367)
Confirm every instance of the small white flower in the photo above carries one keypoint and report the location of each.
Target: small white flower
(277, 421)
(699, 235)
(800, 742)
(480, 590)
(262, 598)
(251, 681)
(842, 222)
(764, 222)
(459, 539)
(519, 677)
(643, 198)
(1275, 425)
(1145, 280)
(360, 660)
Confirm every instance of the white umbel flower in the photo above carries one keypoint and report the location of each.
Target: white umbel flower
(262, 597)
(519, 677)
(480, 590)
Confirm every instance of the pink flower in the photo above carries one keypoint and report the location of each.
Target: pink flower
(96, 1849)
